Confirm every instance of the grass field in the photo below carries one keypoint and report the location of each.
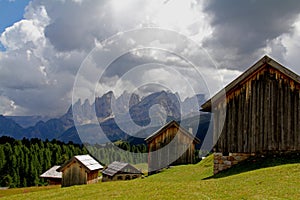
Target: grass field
(14, 191)
(185, 182)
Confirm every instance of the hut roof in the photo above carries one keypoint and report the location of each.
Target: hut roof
(116, 167)
(168, 125)
(52, 173)
(86, 160)
(259, 65)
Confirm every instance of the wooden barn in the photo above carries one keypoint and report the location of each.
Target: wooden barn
(81, 169)
(52, 176)
(170, 145)
(261, 113)
(120, 171)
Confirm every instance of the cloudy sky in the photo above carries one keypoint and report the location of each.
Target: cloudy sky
(48, 48)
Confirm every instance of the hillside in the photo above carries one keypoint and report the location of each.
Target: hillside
(185, 182)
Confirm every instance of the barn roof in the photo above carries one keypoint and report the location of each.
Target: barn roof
(86, 160)
(117, 167)
(259, 65)
(52, 173)
(168, 125)
(89, 162)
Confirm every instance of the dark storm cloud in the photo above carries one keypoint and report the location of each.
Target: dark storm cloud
(130, 60)
(77, 25)
(242, 28)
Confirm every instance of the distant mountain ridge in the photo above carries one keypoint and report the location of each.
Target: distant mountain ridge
(10, 128)
(27, 121)
(108, 109)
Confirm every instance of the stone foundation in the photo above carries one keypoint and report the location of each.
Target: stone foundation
(225, 162)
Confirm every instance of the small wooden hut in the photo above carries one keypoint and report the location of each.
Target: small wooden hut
(170, 145)
(52, 176)
(120, 171)
(261, 113)
(81, 169)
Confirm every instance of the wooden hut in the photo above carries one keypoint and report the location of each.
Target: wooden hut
(261, 113)
(53, 177)
(120, 171)
(81, 169)
(170, 145)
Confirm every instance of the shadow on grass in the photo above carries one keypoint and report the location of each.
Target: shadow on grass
(258, 162)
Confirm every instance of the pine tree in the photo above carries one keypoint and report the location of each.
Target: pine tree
(6, 181)
(2, 158)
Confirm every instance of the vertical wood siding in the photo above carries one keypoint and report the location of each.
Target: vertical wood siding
(76, 174)
(181, 151)
(262, 115)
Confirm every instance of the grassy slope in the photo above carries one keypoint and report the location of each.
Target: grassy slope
(186, 182)
(26, 190)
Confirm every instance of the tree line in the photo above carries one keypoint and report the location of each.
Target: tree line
(119, 151)
(23, 161)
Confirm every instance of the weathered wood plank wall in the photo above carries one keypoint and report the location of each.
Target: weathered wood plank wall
(262, 115)
(181, 151)
(75, 174)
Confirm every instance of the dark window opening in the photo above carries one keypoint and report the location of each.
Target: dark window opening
(134, 176)
(226, 154)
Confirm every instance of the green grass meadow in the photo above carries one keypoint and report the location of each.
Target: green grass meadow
(184, 182)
